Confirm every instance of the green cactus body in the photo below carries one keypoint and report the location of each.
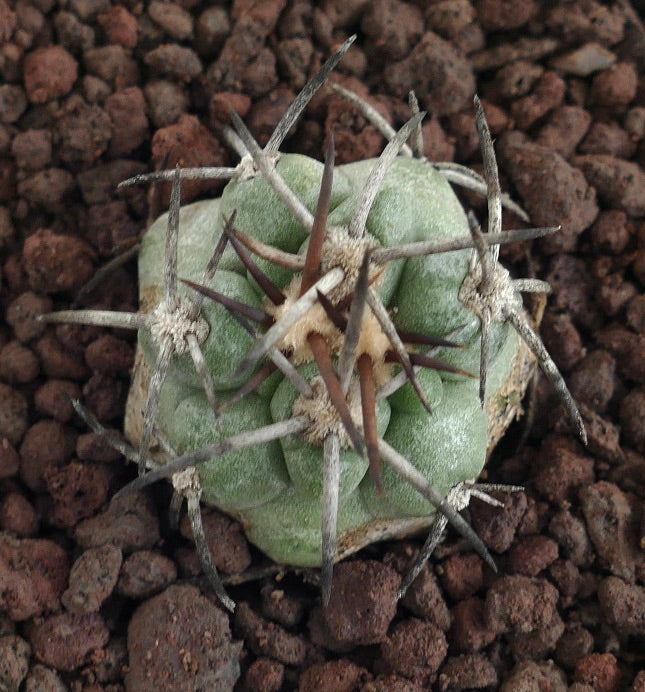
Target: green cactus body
(275, 488)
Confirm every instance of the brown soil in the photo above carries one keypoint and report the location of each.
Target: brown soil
(95, 596)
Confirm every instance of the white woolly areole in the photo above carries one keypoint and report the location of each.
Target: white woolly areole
(501, 297)
(186, 480)
(459, 495)
(246, 168)
(176, 323)
(344, 251)
(323, 414)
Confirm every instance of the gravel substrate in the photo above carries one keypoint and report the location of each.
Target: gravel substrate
(99, 596)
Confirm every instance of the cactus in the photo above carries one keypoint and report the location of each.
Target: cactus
(307, 344)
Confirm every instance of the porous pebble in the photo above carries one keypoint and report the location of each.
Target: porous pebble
(144, 573)
(212, 28)
(632, 410)
(263, 117)
(73, 34)
(18, 364)
(47, 444)
(442, 79)
(586, 21)
(610, 232)
(32, 149)
(610, 520)
(566, 577)
(519, 604)
(120, 26)
(92, 579)
(57, 361)
(167, 102)
(560, 470)
(532, 554)
(393, 29)
(93, 446)
(530, 675)
(13, 415)
(234, 68)
(84, 131)
(49, 73)
(286, 609)
(548, 94)
(53, 399)
(109, 355)
(66, 641)
(562, 340)
(47, 188)
(516, 79)
(41, 677)
(172, 18)
(362, 602)
(615, 86)
(601, 671)
(113, 64)
(180, 640)
(608, 138)
(634, 122)
(127, 112)
(461, 575)
(199, 148)
(496, 526)
(15, 653)
(95, 90)
(627, 348)
(56, 262)
(78, 491)
(111, 230)
(9, 459)
(13, 102)
(425, 600)
(339, 675)
(415, 649)
(470, 631)
(639, 682)
(174, 61)
(623, 605)
(572, 286)
(358, 139)
(18, 515)
(128, 523)
(33, 573)
(540, 643)
(635, 313)
(467, 671)
(592, 381)
(575, 643)
(226, 541)
(572, 537)
(105, 396)
(564, 129)
(618, 181)
(571, 203)
(264, 675)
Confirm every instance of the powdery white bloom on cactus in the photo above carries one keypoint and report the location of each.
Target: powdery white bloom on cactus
(311, 372)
